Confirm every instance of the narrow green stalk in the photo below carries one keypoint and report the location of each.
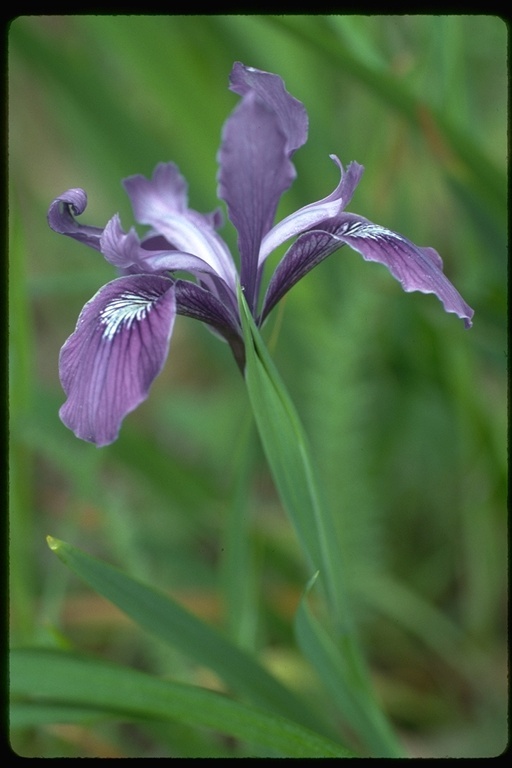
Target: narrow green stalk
(286, 448)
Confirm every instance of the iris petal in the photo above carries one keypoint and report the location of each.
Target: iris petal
(119, 346)
(312, 215)
(306, 252)
(61, 219)
(125, 250)
(161, 202)
(254, 172)
(417, 268)
(270, 89)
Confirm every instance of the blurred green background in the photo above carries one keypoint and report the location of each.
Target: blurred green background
(405, 409)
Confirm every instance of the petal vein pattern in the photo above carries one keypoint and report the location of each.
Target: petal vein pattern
(122, 336)
(119, 346)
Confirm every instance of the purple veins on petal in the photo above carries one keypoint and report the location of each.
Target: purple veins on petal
(270, 89)
(311, 216)
(255, 170)
(119, 346)
(162, 203)
(123, 333)
(416, 268)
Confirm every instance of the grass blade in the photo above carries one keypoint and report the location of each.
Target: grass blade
(287, 452)
(341, 672)
(64, 679)
(159, 614)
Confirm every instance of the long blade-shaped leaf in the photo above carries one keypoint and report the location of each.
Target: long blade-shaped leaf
(287, 452)
(159, 614)
(285, 446)
(58, 678)
(341, 672)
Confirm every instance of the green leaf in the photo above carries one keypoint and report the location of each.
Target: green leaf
(342, 672)
(159, 614)
(63, 679)
(287, 452)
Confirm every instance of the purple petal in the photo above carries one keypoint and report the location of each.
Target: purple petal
(254, 172)
(270, 89)
(194, 301)
(126, 250)
(61, 218)
(306, 252)
(312, 216)
(417, 269)
(119, 346)
(120, 248)
(152, 199)
(161, 202)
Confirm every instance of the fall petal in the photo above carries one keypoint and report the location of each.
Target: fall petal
(119, 346)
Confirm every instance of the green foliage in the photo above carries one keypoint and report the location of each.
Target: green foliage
(403, 412)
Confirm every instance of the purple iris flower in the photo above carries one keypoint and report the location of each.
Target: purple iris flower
(122, 336)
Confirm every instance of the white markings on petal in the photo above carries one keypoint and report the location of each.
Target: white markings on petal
(123, 311)
(367, 230)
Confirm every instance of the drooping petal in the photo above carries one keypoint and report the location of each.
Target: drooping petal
(119, 346)
(312, 215)
(221, 316)
(161, 202)
(61, 219)
(270, 89)
(417, 269)
(254, 172)
(194, 301)
(306, 252)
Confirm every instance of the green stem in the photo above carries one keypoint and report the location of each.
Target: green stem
(287, 451)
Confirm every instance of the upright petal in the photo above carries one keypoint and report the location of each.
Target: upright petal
(270, 89)
(312, 215)
(161, 202)
(254, 172)
(119, 346)
(125, 250)
(61, 218)
(152, 199)
(120, 248)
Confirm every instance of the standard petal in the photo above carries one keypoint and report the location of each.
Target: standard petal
(417, 269)
(119, 346)
(161, 202)
(120, 248)
(125, 250)
(152, 199)
(270, 89)
(312, 216)
(254, 172)
(61, 218)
